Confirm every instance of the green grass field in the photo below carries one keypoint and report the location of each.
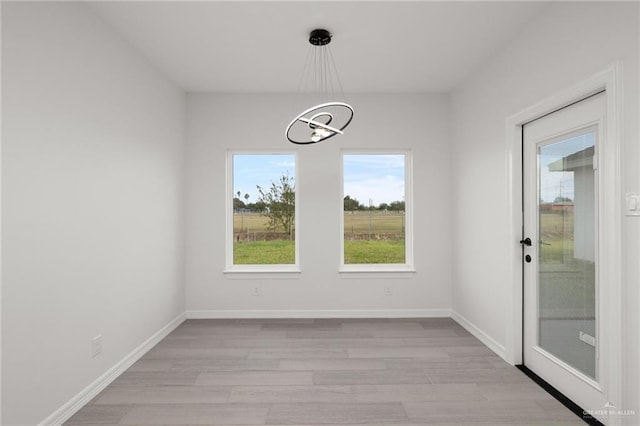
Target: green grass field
(354, 223)
(556, 233)
(275, 252)
(252, 227)
(374, 251)
(282, 252)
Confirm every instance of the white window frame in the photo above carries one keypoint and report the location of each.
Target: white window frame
(367, 268)
(231, 268)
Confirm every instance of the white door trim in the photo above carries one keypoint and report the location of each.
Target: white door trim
(610, 221)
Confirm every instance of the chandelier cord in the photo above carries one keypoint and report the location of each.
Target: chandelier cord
(333, 62)
(304, 77)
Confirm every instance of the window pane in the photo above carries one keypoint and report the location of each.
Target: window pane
(374, 208)
(264, 199)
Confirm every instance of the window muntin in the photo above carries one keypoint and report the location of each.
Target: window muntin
(262, 213)
(376, 219)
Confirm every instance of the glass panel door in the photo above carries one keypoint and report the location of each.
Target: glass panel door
(563, 314)
(567, 250)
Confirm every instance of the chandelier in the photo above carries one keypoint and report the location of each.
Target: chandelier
(330, 117)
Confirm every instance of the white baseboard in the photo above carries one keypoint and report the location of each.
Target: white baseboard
(65, 412)
(329, 313)
(489, 341)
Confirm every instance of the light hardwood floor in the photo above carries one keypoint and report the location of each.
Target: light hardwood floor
(323, 371)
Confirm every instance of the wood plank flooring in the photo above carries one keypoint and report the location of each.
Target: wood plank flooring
(393, 372)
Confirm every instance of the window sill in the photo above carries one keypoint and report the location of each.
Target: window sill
(262, 271)
(377, 271)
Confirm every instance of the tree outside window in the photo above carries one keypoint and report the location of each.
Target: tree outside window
(264, 230)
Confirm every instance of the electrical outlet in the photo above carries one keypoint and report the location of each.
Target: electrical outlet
(256, 291)
(387, 291)
(96, 346)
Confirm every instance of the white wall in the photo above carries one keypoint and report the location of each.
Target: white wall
(568, 43)
(219, 122)
(91, 209)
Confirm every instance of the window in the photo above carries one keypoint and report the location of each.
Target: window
(376, 217)
(261, 212)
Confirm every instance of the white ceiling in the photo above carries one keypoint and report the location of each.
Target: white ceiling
(261, 46)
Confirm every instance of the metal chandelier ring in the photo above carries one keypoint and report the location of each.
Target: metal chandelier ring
(310, 121)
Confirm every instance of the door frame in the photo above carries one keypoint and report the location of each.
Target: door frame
(609, 222)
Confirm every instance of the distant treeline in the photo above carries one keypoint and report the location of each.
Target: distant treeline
(352, 204)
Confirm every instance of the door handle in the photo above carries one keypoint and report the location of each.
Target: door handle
(526, 241)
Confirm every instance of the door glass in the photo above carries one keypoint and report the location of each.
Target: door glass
(567, 250)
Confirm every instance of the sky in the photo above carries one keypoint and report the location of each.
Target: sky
(259, 169)
(555, 184)
(366, 176)
(375, 177)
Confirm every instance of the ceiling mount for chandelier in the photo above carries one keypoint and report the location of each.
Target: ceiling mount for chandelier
(330, 116)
